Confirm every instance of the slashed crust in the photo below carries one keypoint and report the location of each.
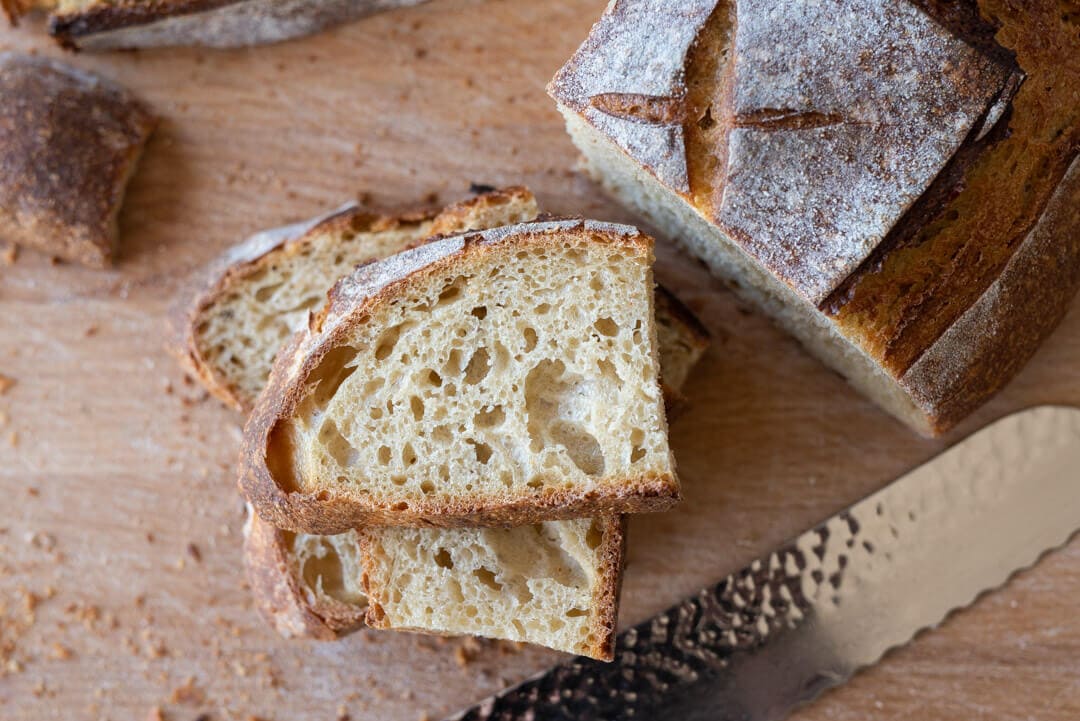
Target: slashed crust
(856, 124)
(603, 606)
(327, 512)
(271, 246)
(275, 585)
(69, 142)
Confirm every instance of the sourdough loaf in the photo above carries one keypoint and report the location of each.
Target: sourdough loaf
(897, 188)
(69, 142)
(502, 377)
(243, 308)
(307, 586)
(108, 24)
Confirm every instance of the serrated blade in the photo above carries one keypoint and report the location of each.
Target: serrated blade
(835, 599)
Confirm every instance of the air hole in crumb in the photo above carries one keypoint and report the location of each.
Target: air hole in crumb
(486, 577)
(535, 483)
(471, 611)
(479, 312)
(443, 560)
(427, 487)
(417, 407)
(389, 338)
(384, 455)
(637, 437)
(607, 326)
(596, 283)
(451, 292)
(490, 417)
(607, 369)
(453, 363)
(594, 536)
(434, 379)
(576, 613)
(530, 339)
(478, 367)
(542, 309)
(400, 505)
(263, 294)
(483, 451)
(398, 481)
(408, 455)
(339, 448)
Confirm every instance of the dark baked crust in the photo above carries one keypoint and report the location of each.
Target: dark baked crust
(1005, 326)
(213, 23)
(262, 465)
(275, 586)
(69, 141)
(271, 246)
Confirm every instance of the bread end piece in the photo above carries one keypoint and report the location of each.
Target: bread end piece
(62, 176)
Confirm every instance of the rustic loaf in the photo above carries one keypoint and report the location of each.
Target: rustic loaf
(915, 229)
(254, 297)
(69, 142)
(306, 586)
(505, 377)
(106, 24)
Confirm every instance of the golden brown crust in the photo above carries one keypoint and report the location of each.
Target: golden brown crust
(271, 570)
(262, 466)
(271, 246)
(62, 175)
(984, 348)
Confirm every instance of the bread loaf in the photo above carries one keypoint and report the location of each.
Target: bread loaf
(494, 378)
(107, 25)
(897, 187)
(69, 142)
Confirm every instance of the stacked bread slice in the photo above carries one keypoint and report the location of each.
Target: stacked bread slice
(507, 389)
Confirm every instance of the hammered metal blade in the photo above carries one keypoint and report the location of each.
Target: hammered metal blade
(834, 600)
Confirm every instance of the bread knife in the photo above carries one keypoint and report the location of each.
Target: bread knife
(832, 601)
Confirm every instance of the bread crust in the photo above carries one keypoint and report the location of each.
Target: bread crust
(999, 333)
(350, 299)
(603, 605)
(210, 23)
(279, 598)
(270, 246)
(62, 178)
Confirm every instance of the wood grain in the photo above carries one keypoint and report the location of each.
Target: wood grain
(119, 468)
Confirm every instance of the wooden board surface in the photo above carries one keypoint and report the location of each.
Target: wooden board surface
(121, 586)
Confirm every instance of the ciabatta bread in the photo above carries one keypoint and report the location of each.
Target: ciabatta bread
(502, 377)
(108, 25)
(69, 142)
(914, 227)
(258, 294)
(306, 586)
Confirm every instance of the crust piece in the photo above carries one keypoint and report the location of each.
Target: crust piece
(69, 141)
(265, 471)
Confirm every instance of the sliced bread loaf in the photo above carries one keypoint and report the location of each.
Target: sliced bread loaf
(307, 586)
(254, 297)
(505, 377)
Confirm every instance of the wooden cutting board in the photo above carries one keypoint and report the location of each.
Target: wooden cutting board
(121, 587)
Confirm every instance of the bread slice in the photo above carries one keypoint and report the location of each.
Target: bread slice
(69, 142)
(306, 586)
(257, 295)
(555, 584)
(872, 204)
(111, 24)
(505, 377)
